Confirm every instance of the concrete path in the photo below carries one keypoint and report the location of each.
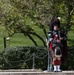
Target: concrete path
(20, 72)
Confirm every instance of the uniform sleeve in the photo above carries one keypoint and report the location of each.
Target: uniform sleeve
(54, 41)
(49, 37)
(61, 34)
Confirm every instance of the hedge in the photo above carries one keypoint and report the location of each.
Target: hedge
(22, 58)
(17, 57)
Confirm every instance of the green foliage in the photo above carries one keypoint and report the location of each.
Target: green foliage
(24, 16)
(16, 13)
(22, 57)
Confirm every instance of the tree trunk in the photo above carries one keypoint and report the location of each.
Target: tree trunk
(30, 37)
(22, 31)
(44, 30)
(39, 37)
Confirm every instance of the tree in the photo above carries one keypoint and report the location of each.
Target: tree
(15, 15)
(65, 9)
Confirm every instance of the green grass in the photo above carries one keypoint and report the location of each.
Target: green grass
(1, 37)
(71, 37)
(21, 40)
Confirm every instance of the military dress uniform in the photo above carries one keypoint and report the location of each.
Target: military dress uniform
(55, 47)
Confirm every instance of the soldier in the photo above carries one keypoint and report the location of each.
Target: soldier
(55, 45)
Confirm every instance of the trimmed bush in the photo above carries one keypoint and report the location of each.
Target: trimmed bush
(22, 57)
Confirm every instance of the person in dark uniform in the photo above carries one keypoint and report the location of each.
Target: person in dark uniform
(56, 45)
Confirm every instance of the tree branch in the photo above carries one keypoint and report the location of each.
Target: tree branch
(22, 31)
(38, 37)
(44, 30)
(70, 12)
(30, 37)
(32, 40)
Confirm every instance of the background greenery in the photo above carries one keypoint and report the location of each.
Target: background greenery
(20, 40)
(27, 22)
(15, 53)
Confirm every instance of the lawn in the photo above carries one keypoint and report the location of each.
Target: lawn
(21, 40)
(70, 37)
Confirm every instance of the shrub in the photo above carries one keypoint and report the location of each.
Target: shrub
(22, 57)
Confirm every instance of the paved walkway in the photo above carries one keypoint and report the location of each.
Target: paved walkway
(23, 72)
